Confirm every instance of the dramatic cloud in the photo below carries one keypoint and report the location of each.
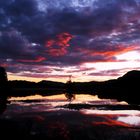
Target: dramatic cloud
(59, 46)
(62, 34)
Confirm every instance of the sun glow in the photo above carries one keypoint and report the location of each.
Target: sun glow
(113, 65)
(129, 56)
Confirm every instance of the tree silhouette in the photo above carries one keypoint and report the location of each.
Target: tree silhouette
(70, 96)
(69, 90)
(3, 76)
(3, 89)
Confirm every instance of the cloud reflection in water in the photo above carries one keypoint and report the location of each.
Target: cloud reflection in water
(56, 103)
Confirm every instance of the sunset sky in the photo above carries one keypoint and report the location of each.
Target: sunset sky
(52, 39)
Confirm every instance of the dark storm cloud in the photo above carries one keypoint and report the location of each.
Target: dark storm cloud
(13, 45)
(87, 21)
(26, 26)
(25, 16)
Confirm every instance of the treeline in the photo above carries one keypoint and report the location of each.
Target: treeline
(26, 88)
(125, 88)
(42, 84)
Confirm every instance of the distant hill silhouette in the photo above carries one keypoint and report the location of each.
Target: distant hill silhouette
(26, 88)
(125, 88)
(50, 84)
(42, 84)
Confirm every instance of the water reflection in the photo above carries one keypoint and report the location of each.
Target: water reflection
(130, 119)
(44, 103)
(42, 116)
(70, 96)
(4, 101)
(3, 105)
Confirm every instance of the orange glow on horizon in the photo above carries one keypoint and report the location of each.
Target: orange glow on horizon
(76, 79)
(109, 53)
(33, 79)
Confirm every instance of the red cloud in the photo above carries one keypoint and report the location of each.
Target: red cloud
(63, 39)
(4, 65)
(118, 50)
(50, 43)
(39, 59)
(109, 52)
(58, 47)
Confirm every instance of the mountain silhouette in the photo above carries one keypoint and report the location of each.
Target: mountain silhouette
(133, 75)
(125, 88)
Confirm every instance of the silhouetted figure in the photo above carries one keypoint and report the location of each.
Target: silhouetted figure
(3, 89)
(69, 90)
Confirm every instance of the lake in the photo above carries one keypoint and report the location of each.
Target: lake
(54, 117)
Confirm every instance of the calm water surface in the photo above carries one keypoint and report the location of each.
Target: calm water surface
(54, 117)
(38, 103)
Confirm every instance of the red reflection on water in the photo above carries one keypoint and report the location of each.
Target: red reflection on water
(110, 122)
(58, 130)
(108, 119)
